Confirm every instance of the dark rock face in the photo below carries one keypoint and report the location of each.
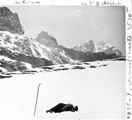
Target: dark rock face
(91, 46)
(12, 66)
(47, 40)
(10, 21)
(34, 61)
(116, 52)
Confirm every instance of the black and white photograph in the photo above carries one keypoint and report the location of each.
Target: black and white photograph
(62, 62)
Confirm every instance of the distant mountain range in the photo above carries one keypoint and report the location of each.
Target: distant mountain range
(44, 50)
(99, 47)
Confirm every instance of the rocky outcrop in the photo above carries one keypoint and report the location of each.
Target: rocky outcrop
(86, 47)
(47, 40)
(12, 65)
(34, 61)
(10, 21)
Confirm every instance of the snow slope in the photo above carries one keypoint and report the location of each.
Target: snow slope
(98, 92)
(29, 47)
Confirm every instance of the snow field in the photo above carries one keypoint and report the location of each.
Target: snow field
(98, 92)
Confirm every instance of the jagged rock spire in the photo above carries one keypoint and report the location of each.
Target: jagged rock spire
(9, 21)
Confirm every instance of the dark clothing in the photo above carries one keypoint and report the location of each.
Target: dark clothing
(62, 107)
(58, 107)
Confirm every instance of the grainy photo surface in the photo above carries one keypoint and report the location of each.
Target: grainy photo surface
(62, 62)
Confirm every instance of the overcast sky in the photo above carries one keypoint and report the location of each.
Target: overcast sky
(73, 25)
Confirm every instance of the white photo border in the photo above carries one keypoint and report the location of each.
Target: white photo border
(128, 31)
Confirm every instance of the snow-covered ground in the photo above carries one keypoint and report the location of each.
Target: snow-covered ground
(98, 92)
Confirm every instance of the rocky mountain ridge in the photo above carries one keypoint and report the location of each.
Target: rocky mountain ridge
(23, 46)
(44, 50)
(97, 47)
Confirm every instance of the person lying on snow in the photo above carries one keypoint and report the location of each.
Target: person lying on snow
(61, 107)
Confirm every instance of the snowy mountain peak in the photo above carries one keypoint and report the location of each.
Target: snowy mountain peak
(86, 47)
(103, 46)
(95, 47)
